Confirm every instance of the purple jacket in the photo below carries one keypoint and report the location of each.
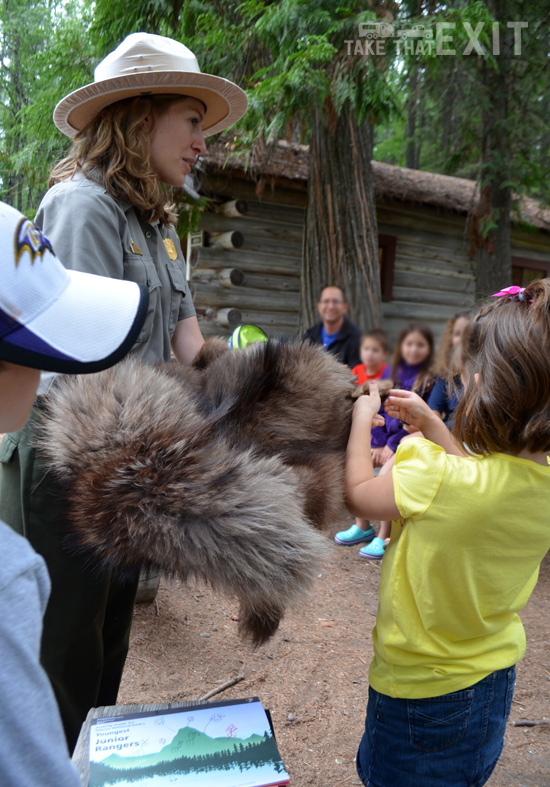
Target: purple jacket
(392, 432)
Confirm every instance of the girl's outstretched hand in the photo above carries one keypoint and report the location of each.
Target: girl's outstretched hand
(408, 407)
(368, 406)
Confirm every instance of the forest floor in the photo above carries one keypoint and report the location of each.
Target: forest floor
(312, 674)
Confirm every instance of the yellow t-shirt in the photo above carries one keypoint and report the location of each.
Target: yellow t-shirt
(460, 565)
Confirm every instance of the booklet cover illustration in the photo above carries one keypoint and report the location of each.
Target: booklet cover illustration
(222, 744)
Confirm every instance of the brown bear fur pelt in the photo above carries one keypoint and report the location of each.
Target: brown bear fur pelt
(220, 471)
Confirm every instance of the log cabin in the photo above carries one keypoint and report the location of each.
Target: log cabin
(245, 265)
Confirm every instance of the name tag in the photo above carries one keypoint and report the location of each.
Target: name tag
(170, 248)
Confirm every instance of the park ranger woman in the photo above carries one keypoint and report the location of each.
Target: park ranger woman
(139, 125)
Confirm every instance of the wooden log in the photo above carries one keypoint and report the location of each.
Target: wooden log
(433, 281)
(269, 319)
(213, 296)
(460, 300)
(435, 267)
(265, 211)
(236, 277)
(224, 240)
(416, 311)
(424, 233)
(280, 213)
(252, 228)
(233, 208)
(262, 262)
(438, 221)
(273, 246)
(267, 282)
(536, 248)
(288, 193)
(432, 252)
(227, 277)
(230, 317)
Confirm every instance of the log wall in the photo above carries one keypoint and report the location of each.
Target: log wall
(433, 275)
(259, 280)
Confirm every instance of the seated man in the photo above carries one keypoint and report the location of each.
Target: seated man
(335, 332)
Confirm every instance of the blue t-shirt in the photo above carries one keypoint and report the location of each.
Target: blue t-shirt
(328, 338)
(444, 399)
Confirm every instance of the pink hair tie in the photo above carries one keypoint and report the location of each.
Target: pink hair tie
(511, 293)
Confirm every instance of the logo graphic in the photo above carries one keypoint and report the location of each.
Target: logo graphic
(385, 30)
(29, 238)
(435, 39)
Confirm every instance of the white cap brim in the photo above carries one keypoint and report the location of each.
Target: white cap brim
(92, 325)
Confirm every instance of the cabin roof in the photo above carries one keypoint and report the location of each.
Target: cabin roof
(283, 161)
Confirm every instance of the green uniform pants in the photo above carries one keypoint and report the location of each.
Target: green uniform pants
(89, 614)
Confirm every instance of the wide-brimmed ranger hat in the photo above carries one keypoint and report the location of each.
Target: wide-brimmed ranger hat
(56, 319)
(145, 64)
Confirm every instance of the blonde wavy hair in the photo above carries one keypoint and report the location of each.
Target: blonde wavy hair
(116, 145)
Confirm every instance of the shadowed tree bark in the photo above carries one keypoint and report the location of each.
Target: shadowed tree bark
(341, 235)
(492, 215)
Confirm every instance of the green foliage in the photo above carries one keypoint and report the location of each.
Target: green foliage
(189, 211)
(297, 61)
(45, 55)
(292, 59)
(453, 97)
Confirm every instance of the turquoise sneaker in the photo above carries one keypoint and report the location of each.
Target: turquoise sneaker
(375, 550)
(354, 535)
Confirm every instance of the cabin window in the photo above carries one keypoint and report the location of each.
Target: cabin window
(386, 261)
(524, 271)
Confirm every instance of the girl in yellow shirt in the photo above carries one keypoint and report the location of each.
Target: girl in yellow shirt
(454, 579)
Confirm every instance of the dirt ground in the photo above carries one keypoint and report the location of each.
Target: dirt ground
(313, 674)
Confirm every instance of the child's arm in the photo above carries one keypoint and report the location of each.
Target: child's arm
(412, 409)
(367, 496)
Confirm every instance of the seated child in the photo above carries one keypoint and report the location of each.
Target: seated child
(374, 349)
(447, 387)
(411, 370)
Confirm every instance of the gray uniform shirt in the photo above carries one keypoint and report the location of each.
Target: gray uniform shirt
(92, 232)
(33, 749)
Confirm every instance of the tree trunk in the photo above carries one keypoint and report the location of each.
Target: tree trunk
(341, 234)
(411, 135)
(448, 115)
(494, 234)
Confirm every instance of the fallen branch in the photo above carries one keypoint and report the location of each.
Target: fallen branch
(221, 688)
(530, 723)
(138, 658)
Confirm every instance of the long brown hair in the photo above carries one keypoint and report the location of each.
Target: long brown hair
(116, 145)
(507, 408)
(424, 379)
(445, 348)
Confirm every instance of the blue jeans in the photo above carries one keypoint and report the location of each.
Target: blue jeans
(453, 740)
